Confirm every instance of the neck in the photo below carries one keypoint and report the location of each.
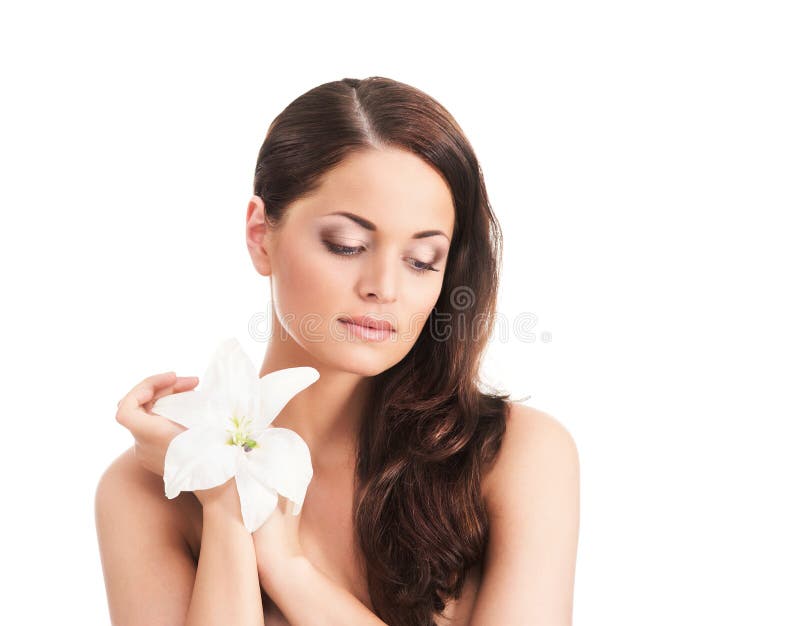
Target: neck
(327, 414)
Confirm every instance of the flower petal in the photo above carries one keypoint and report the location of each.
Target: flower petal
(230, 379)
(282, 461)
(277, 388)
(256, 500)
(192, 408)
(198, 458)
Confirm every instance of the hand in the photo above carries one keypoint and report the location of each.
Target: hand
(152, 433)
(277, 542)
(224, 496)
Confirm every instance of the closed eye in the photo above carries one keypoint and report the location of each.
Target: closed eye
(342, 250)
(417, 266)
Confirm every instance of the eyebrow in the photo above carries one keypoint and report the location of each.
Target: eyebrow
(364, 223)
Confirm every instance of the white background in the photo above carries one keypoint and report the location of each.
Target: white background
(642, 158)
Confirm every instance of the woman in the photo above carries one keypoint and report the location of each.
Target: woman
(432, 502)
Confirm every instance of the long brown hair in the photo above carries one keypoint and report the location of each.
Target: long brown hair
(429, 432)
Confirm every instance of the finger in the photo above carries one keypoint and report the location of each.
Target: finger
(182, 383)
(146, 390)
(142, 393)
(131, 412)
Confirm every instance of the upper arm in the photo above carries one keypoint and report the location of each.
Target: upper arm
(149, 571)
(533, 506)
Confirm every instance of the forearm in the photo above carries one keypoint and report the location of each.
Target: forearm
(307, 597)
(226, 588)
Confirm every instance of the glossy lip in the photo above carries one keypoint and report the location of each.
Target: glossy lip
(366, 333)
(368, 321)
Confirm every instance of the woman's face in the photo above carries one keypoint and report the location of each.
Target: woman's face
(386, 259)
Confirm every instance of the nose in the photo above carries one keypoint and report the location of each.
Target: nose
(379, 279)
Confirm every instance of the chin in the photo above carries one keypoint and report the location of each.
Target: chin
(363, 360)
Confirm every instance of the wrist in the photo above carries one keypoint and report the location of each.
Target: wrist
(224, 496)
(277, 573)
(219, 508)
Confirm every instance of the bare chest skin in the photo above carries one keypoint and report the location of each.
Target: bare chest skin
(326, 536)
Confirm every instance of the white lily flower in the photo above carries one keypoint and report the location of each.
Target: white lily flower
(228, 418)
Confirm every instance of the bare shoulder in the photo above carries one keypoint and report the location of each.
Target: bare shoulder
(125, 471)
(147, 565)
(125, 490)
(535, 444)
(126, 487)
(533, 502)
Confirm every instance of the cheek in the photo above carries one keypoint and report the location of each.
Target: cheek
(420, 298)
(306, 284)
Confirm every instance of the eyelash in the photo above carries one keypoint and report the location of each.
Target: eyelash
(350, 251)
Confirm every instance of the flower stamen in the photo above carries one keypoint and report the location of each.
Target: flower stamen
(241, 435)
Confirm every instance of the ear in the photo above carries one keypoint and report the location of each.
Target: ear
(257, 236)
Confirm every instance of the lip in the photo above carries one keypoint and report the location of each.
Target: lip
(368, 321)
(378, 330)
